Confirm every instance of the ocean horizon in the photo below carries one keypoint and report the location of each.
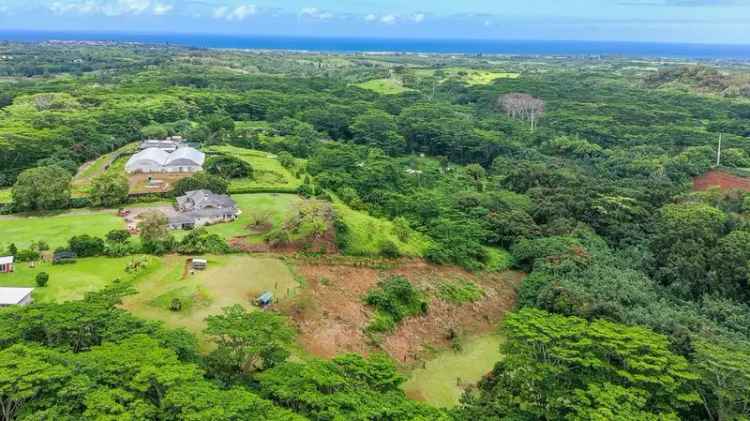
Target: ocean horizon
(399, 45)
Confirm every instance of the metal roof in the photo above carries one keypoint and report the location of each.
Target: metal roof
(9, 296)
(4, 260)
(150, 156)
(186, 156)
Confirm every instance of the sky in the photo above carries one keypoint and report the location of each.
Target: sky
(691, 21)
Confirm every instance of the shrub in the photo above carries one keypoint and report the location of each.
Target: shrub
(118, 236)
(86, 245)
(395, 299)
(109, 190)
(27, 255)
(199, 241)
(201, 181)
(460, 291)
(175, 305)
(41, 279)
(389, 249)
(229, 167)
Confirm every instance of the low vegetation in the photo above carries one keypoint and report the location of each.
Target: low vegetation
(393, 300)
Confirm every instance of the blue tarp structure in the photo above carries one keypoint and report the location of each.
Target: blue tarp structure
(265, 299)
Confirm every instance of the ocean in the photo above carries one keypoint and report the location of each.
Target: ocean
(444, 46)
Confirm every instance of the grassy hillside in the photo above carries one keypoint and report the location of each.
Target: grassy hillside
(367, 234)
(268, 171)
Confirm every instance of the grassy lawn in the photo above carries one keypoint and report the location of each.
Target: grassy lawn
(384, 86)
(70, 281)
(81, 181)
(438, 383)
(56, 228)
(470, 76)
(228, 280)
(367, 233)
(268, 172)
(278, 206)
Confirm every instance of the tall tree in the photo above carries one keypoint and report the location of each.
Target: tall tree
(42, 188)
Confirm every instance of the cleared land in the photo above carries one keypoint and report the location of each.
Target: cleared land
(56, 228)
(71, 281)
(384, 86)
(722, 180)
(269, 174)
(442, 380)
(331, 316)
(228, 280)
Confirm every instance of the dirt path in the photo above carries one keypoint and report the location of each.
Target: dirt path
(331, 317)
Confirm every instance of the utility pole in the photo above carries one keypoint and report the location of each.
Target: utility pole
(718, 152)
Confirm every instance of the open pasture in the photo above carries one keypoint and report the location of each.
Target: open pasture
(56, 227)
(228, 280)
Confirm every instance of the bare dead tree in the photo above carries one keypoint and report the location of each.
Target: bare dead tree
(522, 106)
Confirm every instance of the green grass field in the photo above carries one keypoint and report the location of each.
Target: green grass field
(384, 86)
(228, 280)
(438, 383)
(367, 233)
(470, 76)
(268, 171)
(56, 228)
(70, 281)
(82, 180)
(278, 206)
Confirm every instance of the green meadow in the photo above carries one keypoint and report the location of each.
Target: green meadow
(57, 227)
(384, 86)
(268, 171)
(441, 381)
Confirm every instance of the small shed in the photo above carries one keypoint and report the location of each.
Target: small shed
(6, 264)
(15, 296)
(199, 264)
(265, 299)
(61, 257)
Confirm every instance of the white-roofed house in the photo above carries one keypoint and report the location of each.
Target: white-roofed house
(6, 264)
(15, 296)
(155, 160)
(185, 159)
(147, 160)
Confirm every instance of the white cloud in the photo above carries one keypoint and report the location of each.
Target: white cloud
(242, 12)
(162, 9)
(109, 8)
(315, 13)
(418, 18)
(238, 13)
(220, 12)
(388, 19)
(371, 18)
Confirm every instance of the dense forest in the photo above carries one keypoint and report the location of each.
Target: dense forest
(637, 299)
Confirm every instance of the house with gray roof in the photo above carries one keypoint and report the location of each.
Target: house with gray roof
(202, 207)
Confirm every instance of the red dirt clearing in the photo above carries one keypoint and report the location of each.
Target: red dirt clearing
(331, 317)
(722, 180)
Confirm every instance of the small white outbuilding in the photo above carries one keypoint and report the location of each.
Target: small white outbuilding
(15, 296)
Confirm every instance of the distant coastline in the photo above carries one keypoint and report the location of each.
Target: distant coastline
(394, 45)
